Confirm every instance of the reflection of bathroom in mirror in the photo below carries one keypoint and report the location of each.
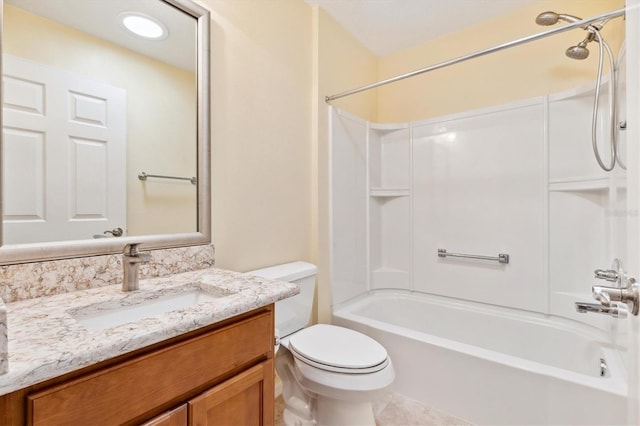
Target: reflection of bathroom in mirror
(88, 105)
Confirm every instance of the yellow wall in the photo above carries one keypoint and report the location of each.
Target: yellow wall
(273, 63)
(261, 132)
(161, 119)
(524, 71)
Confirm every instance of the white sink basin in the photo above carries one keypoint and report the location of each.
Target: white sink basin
(108, 315)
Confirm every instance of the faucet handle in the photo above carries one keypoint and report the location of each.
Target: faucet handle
(607, 275)
(132, 249)
(615, 274)
(603, 295)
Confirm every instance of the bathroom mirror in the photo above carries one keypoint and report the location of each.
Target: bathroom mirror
(105, 132)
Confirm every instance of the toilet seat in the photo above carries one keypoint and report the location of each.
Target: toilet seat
(338, 349)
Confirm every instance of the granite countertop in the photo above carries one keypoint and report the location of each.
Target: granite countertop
(46, 341)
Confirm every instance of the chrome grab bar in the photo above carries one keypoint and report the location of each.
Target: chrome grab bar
(501, 258)
(145, 175)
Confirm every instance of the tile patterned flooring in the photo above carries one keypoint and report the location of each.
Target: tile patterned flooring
(396, 410)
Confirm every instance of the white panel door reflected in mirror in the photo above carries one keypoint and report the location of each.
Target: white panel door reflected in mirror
(65, 149)
(82, 178)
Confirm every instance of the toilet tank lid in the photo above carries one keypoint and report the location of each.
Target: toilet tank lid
(286, 272)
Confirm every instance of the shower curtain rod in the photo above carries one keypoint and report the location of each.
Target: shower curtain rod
(609, 15)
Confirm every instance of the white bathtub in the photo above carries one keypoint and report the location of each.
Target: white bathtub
(491, 365)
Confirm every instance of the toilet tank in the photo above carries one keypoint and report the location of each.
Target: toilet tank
(293, 313)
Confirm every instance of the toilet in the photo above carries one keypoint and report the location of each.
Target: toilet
(330, 375)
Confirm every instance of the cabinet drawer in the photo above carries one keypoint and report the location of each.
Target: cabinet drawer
(123, 392)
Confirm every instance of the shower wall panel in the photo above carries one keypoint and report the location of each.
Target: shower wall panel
(349, 237)
(479, 188)
(570, 152)
(587, 206)
(577, 246)
(518, 179)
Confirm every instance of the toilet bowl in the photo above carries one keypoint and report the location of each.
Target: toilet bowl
(330, 374)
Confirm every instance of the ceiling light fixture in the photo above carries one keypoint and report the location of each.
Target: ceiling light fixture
(143, 26)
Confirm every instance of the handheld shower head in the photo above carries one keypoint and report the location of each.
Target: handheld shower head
(578, 52)
(581, 52)
(551, 18)
(547, 18)
(574, 52)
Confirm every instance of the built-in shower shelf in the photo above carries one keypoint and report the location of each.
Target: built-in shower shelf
(388, 127)
(583, 184)
(389, 192)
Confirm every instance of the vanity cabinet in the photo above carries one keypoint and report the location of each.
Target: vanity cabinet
(220, 374)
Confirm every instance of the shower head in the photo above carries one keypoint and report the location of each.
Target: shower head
(574, 52)
(551, 18)
(578, 52)
(547, 18)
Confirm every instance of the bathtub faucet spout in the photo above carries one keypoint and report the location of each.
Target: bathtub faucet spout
(597, 308)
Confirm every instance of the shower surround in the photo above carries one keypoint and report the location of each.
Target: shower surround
(516, 179)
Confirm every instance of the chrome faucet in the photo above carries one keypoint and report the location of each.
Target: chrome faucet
(131, 261)
(612, 299)
(629, 295)
(598, 308)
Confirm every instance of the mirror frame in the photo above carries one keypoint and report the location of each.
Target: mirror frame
(36, 252)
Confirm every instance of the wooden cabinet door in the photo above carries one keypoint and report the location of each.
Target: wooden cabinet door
(243, 400)
(176, 417)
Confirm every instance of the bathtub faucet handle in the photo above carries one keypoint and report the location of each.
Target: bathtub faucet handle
(607, 275)
(603, 296)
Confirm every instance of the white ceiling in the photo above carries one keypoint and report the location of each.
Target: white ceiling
(386, 26)
(100, 18)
